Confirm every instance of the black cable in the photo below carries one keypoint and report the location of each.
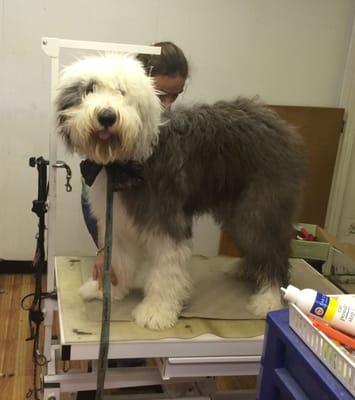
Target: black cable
(45, 295)
(35, 314)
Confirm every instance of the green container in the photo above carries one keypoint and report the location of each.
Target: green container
(315, 250)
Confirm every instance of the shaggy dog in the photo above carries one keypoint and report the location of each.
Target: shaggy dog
(235, 160)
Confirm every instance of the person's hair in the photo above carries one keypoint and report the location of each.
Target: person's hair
(171, 61)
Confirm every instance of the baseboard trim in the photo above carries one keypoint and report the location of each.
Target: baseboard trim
(17, 267)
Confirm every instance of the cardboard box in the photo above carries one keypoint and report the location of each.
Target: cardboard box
(315, 250)
(339, 258)
(343, 259)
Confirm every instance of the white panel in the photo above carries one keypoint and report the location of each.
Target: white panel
(288, 52)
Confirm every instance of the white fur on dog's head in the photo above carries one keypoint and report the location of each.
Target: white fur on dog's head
(118, 86)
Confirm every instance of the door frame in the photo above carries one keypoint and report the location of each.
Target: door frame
(346, 144)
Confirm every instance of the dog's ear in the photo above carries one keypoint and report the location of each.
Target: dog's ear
(70, 95)
(64, 131)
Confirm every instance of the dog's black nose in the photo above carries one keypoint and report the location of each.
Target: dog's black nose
(107, 117)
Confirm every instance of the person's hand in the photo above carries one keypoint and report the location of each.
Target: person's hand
(98, 271)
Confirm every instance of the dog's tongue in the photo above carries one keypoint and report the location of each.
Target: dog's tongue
(104, 134)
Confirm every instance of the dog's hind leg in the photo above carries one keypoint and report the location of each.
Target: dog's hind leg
(261, 224)
(168, 283)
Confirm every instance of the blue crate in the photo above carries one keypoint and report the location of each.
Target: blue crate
(290, 371)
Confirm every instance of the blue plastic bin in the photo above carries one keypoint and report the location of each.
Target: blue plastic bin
(289, 370)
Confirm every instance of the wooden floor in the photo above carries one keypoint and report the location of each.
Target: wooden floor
(16, 368)
(15, 352)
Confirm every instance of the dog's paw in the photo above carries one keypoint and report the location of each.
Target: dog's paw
(264, 301)
(118, 292)
(90, 290)
(155, 315)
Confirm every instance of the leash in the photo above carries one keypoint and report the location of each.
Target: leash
(120, 176)
(106, 291)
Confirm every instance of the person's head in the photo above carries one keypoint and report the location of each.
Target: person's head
(170, 70)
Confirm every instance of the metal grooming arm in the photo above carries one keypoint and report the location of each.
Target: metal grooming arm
(52, 47)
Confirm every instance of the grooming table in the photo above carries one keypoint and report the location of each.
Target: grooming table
(193, 348)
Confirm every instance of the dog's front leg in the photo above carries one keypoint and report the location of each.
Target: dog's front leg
(121, 270)
(168, 284)
(92, 288)
(99, 269)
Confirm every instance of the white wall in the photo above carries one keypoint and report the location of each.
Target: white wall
(288, 52)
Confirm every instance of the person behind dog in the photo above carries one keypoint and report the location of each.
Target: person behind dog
(170, 71)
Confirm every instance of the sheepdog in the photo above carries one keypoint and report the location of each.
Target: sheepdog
(235, 160)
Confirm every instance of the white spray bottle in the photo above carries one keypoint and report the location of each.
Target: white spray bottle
(339, 313)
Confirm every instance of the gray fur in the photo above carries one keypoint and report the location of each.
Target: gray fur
(236, 160)
(70, 96)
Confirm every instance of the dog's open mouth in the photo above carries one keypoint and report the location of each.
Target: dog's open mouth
(104, 134)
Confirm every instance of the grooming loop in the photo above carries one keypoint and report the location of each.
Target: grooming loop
(62, 164)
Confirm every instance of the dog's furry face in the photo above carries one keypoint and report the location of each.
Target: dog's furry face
(107, 109)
